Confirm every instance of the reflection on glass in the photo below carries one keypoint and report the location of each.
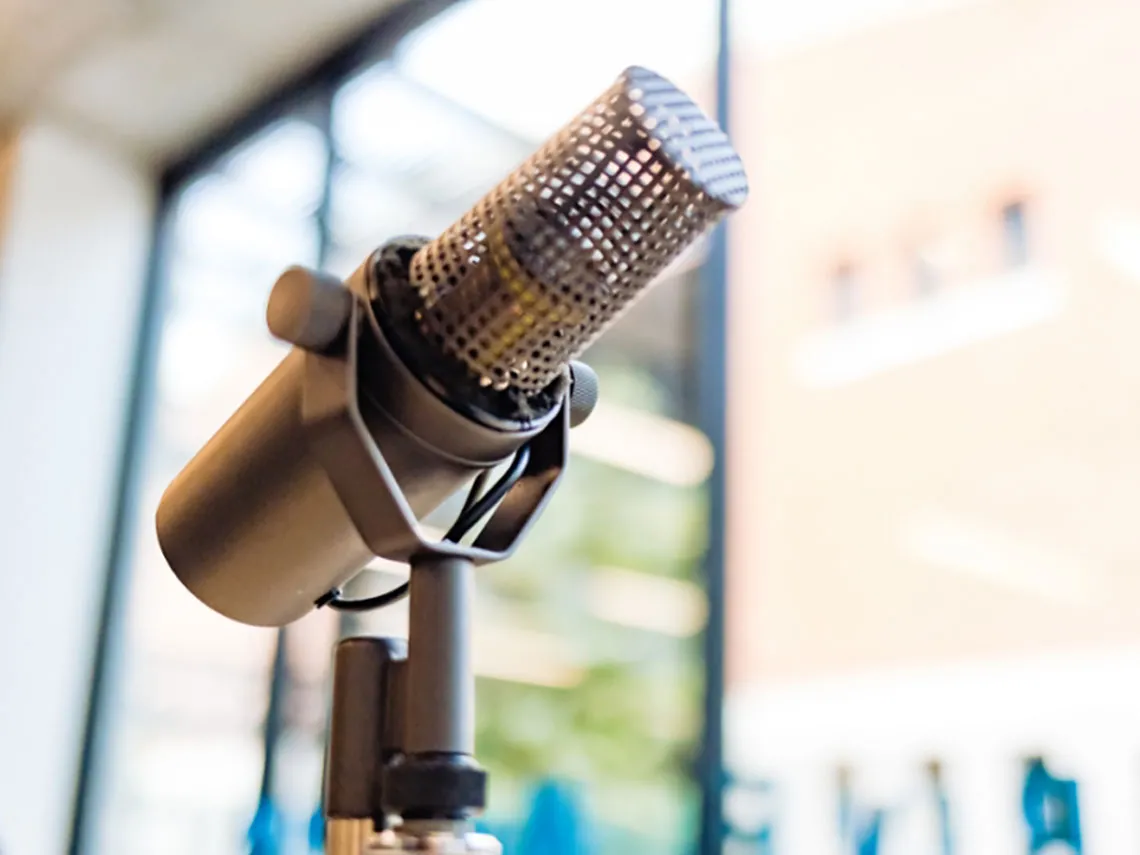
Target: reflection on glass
(931, 592)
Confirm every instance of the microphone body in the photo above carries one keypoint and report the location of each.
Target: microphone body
(253, 525)
(466, 353)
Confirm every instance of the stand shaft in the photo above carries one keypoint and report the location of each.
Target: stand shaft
(440, 696)
(403, 730)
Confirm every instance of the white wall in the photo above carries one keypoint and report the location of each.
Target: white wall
(72, 261)
(1079, 710)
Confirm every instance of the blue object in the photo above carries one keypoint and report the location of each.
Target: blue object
(868, 832)
(555, 825)
(317, 829)
(266, 832)
(944, 822)
(859, 828)
(753, 823)
(1051, 809)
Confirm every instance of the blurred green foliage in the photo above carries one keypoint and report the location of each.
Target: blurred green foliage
(628, 728)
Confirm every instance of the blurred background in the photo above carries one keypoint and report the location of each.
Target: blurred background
(845, 563)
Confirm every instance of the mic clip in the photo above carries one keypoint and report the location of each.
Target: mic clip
(320, 316)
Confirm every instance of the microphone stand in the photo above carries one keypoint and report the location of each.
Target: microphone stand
(400, 774)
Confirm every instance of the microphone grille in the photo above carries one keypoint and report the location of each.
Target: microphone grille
(540, 266)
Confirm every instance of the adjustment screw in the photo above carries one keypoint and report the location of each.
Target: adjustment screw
(583, 392)
(307, 308)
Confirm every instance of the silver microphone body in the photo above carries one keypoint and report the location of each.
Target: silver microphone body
(467, 355)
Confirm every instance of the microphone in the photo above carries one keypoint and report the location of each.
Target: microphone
(464, 354)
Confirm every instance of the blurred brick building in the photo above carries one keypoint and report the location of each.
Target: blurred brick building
(935, 435)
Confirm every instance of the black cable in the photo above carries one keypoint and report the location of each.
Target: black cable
(333, 600)
(476, 488)
(474, 509)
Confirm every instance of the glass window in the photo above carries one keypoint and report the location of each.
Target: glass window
(588, 642)
(184, 757)
(927, 275)
(1014, 235)
(845, 292)
(931, 596)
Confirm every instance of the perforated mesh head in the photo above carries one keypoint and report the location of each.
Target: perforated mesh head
(524, 281)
